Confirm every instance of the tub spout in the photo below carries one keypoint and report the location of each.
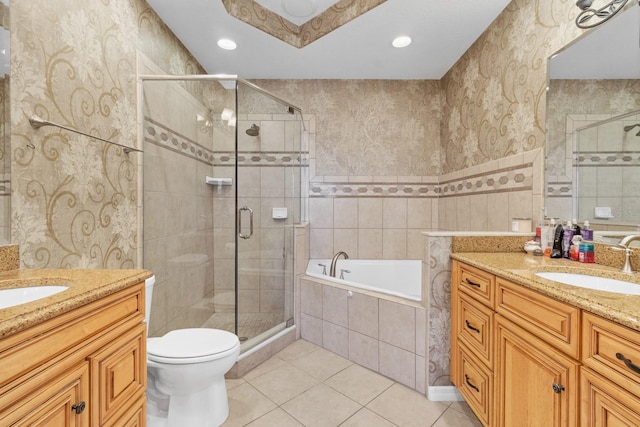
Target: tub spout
(334, 260)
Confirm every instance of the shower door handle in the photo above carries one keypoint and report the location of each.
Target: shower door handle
(245, 236)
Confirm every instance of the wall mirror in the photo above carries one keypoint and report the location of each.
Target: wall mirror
(592, 163)
(5, 126)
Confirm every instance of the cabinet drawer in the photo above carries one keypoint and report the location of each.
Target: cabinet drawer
(553, 321)
(477, 283)
(605, 404)
(612, 350)
(475, 383)
(118, 375)
(475, 328)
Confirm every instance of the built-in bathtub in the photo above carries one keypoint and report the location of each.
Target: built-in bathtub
(374, 316)
(402, 278)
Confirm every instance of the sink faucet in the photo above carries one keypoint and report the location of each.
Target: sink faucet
(334, 260)
(623, 245)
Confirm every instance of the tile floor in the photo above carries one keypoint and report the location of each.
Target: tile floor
(306, 385)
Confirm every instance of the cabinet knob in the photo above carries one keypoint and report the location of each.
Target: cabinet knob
(78, 408)
(558, 388)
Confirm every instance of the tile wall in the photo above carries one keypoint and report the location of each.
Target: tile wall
(384, 335)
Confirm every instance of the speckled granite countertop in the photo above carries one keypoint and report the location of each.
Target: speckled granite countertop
(85, 286)
(521, 268)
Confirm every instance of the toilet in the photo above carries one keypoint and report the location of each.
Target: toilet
(185, 371)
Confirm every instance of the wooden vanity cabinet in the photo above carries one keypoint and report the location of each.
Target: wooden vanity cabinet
(86, 367)
(514, 351)
(610, 377)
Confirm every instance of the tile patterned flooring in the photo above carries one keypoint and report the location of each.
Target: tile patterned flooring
(306, 385)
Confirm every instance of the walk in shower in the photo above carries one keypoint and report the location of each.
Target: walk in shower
(221, 194)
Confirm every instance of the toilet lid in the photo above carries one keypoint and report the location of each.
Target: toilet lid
(195, 342)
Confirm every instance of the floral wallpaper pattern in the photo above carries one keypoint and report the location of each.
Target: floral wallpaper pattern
(74, 199)
(494, 96)
(370, 127)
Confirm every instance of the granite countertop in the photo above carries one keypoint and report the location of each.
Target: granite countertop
(520, 268)
(85, 286)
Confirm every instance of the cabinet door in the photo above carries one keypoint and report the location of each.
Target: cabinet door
(605, 404)
(61, 403)
(535, 384)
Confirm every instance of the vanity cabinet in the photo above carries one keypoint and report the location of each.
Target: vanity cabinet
(86, 367)
(514, 351)
(610, 377)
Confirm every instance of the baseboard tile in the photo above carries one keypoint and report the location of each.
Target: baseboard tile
(444, 394)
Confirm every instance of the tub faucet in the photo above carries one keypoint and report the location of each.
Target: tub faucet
(334, 260)
(623, 245)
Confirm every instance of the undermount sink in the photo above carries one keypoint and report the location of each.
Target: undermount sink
(16, 296)
(593, 282)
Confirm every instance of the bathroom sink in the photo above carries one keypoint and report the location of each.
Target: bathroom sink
(16, 296)
(593, 282)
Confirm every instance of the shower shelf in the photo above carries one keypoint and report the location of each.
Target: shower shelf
(218, 181)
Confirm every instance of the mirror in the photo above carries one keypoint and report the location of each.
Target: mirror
(593, 96)
(5, 126)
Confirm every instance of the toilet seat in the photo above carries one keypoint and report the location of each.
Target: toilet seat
(193, 345)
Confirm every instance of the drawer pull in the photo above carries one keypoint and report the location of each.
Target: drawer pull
(557, 388)
(470, 384)
(469, 326)
(469, 282)
(78, 408)
(628, 362)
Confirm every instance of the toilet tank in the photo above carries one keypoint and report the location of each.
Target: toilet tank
(148, 296)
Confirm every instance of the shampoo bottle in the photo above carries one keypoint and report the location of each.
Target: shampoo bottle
(556, 252)
(566, 239)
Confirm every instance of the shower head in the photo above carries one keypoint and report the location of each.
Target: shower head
(628, 128)
(254, 130)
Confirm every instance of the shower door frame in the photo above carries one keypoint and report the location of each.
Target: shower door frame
(141, 78)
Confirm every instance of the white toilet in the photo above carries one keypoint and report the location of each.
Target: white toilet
(186, 369)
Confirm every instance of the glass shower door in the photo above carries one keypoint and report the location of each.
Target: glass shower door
(267, 175)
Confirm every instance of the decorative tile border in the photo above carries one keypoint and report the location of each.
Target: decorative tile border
(560, 189)
(160, 135)
(5, 184)
(607, 158)
(517, 178)
(263, 159)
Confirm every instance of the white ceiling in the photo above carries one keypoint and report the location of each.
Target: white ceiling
(442, 30)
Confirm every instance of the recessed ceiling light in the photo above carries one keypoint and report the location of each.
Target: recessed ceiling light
(227, 44)
(299, 8)
(402, 41)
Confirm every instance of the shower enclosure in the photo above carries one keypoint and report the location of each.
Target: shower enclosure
(221, 194)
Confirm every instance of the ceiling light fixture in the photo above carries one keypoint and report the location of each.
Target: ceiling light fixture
(402, 41)
(602, 14)
(227, 44)
(299, 8)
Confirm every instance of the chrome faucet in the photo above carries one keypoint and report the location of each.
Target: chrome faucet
(334, 260)
(623, 245)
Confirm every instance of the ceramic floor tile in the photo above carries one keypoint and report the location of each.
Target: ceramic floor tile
(264, 367)
(275, 418)
(359, 384)
(366, 418)
(406, 407)
(453, 418)
(233, 382)
(463, 407)
(284, 383)
(245, 405)
(297, 349)
(321, 406)
(321, 364)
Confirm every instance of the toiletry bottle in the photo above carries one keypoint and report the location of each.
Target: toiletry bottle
(566, 239)
(587, 233)
(548, 242)
(556, 252)
(539, 227)
(574, 250)
(577, 231)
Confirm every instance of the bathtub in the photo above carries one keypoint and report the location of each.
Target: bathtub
(402, 278)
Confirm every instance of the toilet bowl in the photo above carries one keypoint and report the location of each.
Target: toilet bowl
(186, 369)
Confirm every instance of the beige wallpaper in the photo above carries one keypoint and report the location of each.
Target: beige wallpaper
(74, 199)
(370, 127)
(494, 97)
